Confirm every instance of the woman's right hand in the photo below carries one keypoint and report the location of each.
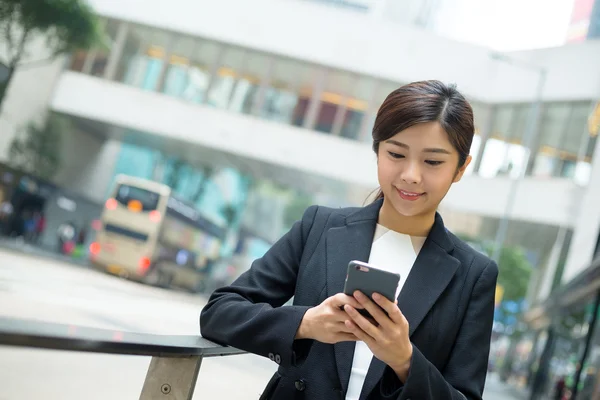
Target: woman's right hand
(326, 322)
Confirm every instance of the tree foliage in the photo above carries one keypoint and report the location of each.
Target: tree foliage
(230, 213)
(514, 268)
(66, 25)
(36, 149)
(298, 203)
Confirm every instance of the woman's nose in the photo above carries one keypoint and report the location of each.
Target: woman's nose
(411, 173)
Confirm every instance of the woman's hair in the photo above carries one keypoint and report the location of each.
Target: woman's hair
(426, 101)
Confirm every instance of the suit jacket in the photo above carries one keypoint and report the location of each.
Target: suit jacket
(448, 300)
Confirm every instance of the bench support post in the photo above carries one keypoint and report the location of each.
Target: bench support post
(171, 378)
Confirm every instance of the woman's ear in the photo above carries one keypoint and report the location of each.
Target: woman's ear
(461, 170)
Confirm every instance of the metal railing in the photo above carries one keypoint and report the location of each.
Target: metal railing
(175, 363)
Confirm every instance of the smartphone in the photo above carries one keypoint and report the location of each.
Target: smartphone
(369, 279)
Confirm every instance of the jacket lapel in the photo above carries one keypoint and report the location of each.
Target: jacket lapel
(431, 273)
(351, 240)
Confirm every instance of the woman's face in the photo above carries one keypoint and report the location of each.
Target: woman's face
(416, 168)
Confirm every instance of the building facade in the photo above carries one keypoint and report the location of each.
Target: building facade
(274, 89)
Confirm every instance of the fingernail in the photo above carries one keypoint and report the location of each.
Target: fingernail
(376, 296)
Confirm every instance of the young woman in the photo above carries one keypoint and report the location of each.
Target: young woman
(434, 341)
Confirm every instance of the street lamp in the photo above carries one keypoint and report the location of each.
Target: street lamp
(528, 141)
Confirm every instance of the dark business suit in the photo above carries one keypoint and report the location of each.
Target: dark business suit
(448, 300)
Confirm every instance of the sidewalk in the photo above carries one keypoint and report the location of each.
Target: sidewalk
(498, 390)
(23, 247)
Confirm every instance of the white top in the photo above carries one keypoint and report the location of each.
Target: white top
(394, 252)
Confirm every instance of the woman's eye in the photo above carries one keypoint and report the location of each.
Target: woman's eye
(431, 162)
(395, 155)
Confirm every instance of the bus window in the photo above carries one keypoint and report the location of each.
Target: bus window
(147, 199)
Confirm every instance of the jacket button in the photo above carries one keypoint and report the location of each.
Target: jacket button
(300, 385)
(271, 356)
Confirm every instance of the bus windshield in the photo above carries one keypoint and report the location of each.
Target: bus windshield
(148, 200)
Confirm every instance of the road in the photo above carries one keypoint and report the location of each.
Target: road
(48, 290)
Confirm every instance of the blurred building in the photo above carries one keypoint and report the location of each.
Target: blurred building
(288, 91)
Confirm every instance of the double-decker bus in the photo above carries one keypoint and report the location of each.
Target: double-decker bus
(148, 234)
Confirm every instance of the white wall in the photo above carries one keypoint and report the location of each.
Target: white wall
(26, 100)
(87, 164)
(549, 201)
(357, 42)
(552, 201)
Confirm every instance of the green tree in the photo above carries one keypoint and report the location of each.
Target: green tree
(514, 272)
(230, 213)
(176, 168)
(298, 203)
(36, 149)
(207, 173)
(514, 268)
(67, 25)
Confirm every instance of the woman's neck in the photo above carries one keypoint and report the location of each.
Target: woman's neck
(418, 225)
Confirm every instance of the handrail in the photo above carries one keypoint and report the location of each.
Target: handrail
(176, 359)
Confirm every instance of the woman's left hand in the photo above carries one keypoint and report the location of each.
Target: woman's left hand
(389, 340)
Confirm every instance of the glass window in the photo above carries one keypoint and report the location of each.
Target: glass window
(553, 123)
(473, 152)
(503, 118)
(288, 92)
(334, 90)
(148, 199)
(248, 84)
(492, 159)
(480, 115)
(503, 154)
(577, 129)
(238, 80)
(206, 54)
(502, 158)
(78, 60)
(143, 58)
(178, 66)
(224, 81)
(101, 54)
(521, 115)
(136, 161)
(357, 106)
(382, 89)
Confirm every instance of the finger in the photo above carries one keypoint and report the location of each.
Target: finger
(341, 299)
(341, 326)
(358, 332)
(362, 323)
(373, 309)
(392, 309)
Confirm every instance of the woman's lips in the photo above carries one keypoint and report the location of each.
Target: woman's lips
(410, 196)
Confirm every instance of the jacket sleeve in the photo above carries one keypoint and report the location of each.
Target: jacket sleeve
(466, 370)
(248, 315)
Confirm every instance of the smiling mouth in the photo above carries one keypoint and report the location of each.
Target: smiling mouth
(409, 195)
